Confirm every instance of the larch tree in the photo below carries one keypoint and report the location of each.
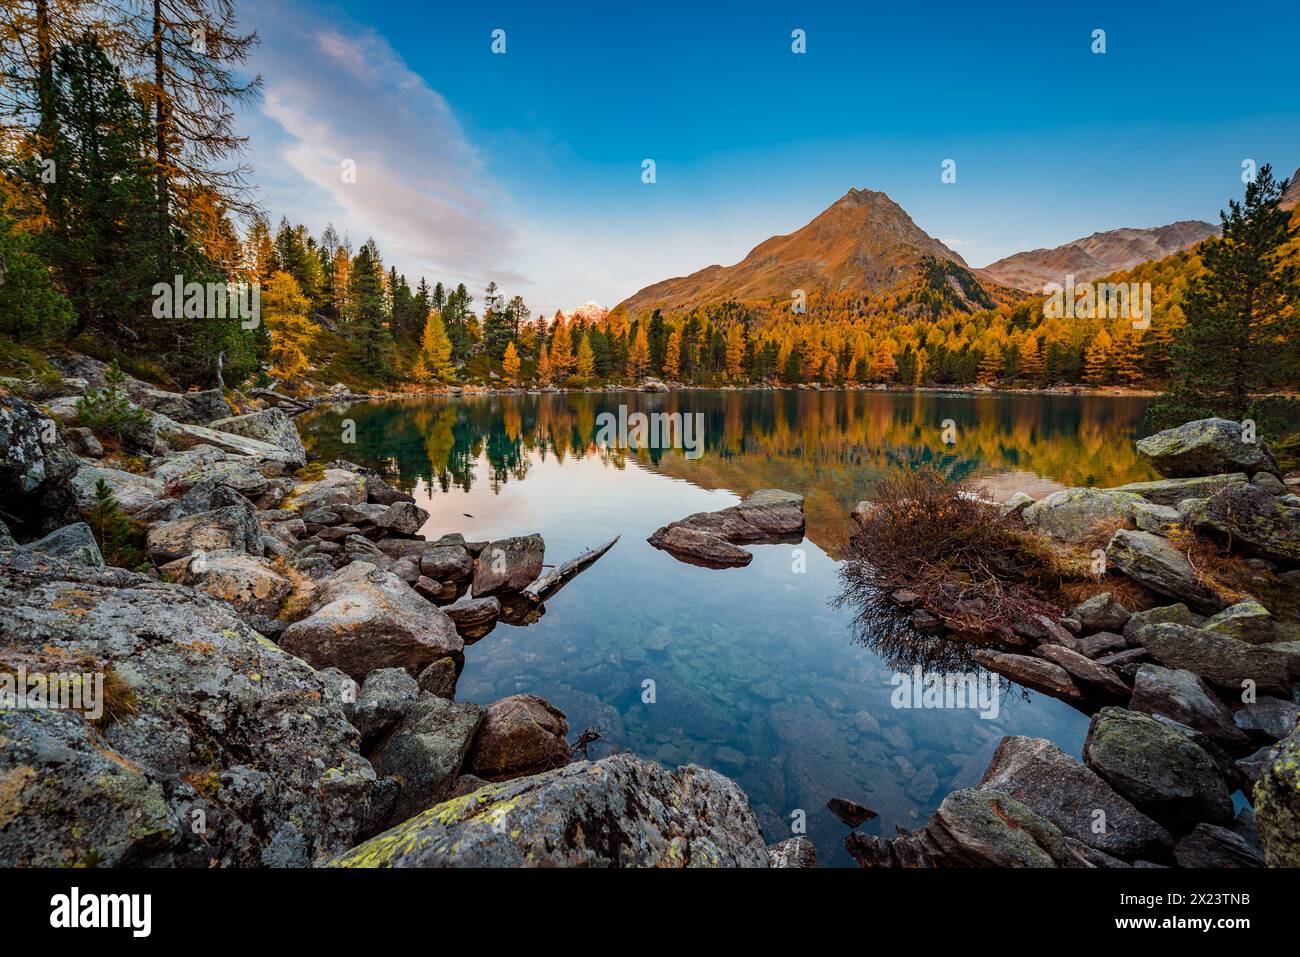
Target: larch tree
(510, 363)
(585, 360)
(285, 309)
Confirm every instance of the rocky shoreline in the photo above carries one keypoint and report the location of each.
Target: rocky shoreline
(1194, 698)
(280, 678)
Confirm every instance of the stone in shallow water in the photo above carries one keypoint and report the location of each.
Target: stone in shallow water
(508, 565)
(850, 812)
(522, 734)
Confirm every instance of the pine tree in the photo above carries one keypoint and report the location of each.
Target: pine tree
(1241, 312)
(366, 307)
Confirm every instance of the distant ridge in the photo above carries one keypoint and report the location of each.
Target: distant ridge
(1097, 255)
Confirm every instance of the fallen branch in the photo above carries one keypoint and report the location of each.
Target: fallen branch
(274, 396)
(549, 582)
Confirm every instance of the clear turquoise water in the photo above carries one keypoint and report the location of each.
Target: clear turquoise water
(754, 672)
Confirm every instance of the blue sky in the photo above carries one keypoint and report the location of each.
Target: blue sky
(526, 167)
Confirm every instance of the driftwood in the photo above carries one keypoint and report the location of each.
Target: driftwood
(296, 404)
(549, 582)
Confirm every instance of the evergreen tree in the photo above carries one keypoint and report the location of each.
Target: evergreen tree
(1241, 314)
(366, 308)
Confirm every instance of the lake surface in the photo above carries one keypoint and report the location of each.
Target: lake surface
(754, 671)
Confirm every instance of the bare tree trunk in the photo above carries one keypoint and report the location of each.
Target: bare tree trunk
(160, 128)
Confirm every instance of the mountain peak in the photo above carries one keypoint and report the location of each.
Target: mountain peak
(864, 242)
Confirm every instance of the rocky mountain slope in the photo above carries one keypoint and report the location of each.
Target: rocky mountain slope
(1092, 257)
(863, 243)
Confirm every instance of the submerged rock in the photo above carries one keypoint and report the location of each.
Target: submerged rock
(850, 812)
(621, 811)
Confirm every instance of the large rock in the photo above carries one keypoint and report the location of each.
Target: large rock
(1222, 661)
(508, 565)
(698, 547)
(1211, 846)
(1183, 696)
(1169, 492)
(1152, 561)
(1178, 614)
(403, 518)
(249, 584)
(365, 619)
(1277, 803)
(474, 617)
(621, 811)
(522, 734)
(72, 543)
(1246, 621)
(230, 527)
(1162, 772)
(1101, 613)
(773, 512)
(1085, 672)
(446, 563)
(271, 426)
(131, 492)
(1267, 719)
(1045, 676)
(1051, 783)
(1205, 447)
(973, 828)
(335, 487)
(424, 752)
(1252, 519)
(216, 748)
(182, 435)
(35, 468)
(1073, 514)
(381, 701)
(196, 408)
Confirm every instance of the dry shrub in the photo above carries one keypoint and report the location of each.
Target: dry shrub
(978, 570)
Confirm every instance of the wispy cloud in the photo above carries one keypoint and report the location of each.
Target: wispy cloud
(338, 92)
